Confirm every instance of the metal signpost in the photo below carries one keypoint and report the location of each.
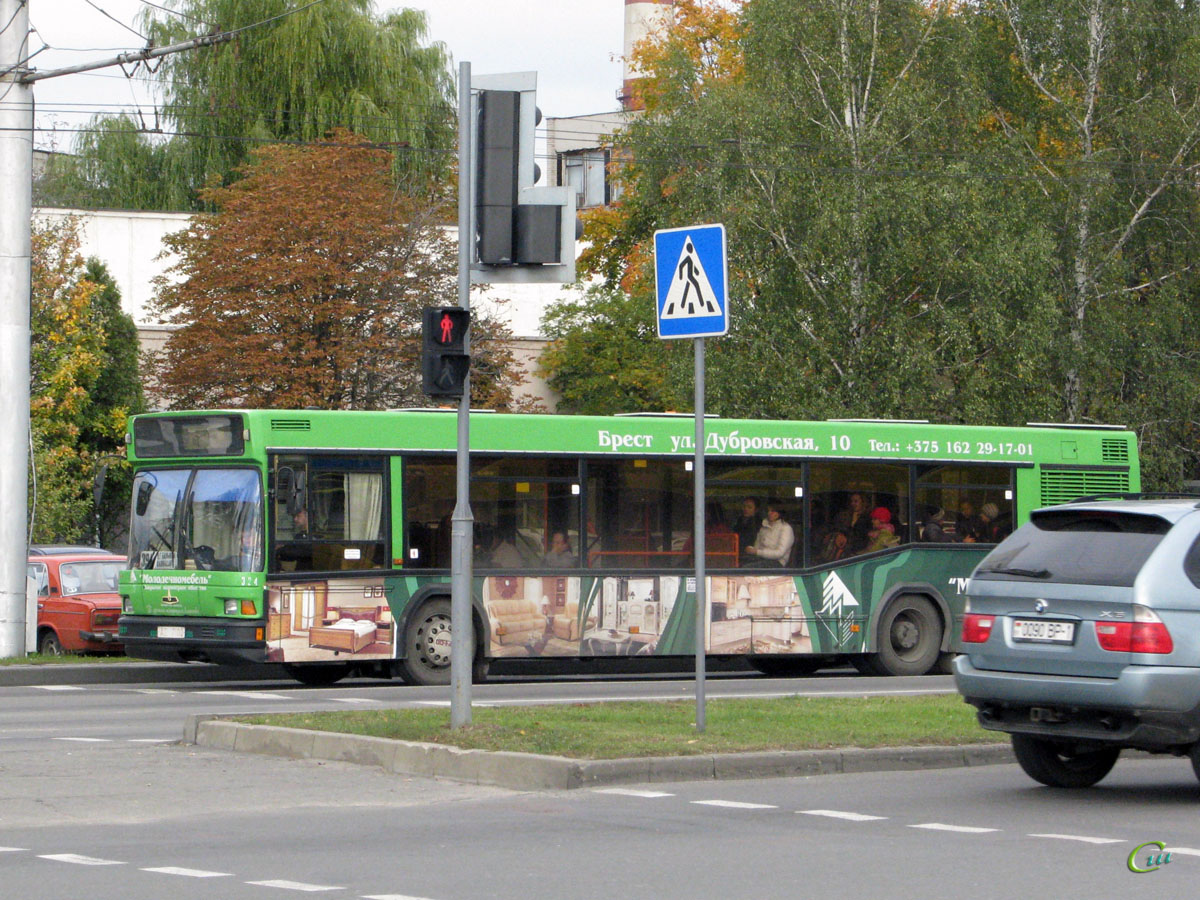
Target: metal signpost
(691, 277)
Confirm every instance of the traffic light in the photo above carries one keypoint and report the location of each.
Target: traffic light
(523, 232)
(444, 358)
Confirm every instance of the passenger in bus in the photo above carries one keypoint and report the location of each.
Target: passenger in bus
(297, 553)
(855, 522)
(560, 555)
(504, 553)
(882, 534)
(936, 529)
(833, 547)
(773, 544)
(746, 526)
(988, 529)
(969, 526)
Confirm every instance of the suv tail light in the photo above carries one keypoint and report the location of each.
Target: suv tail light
(977, 628)
(1145, 634)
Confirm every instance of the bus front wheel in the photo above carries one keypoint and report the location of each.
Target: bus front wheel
(910, 638)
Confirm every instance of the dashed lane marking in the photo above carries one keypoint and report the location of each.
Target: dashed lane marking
(248, 695)
(354, 700)
(78, 860)
(84, 740)
(630, 792)
(963, 829)
(13, 850)
(296, 886)
(734, 804)
(1184, 851)
(187, 873)
(57, 687)
(838, 814)
(1079, 837)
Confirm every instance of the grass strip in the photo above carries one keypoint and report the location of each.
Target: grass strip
(667, 728)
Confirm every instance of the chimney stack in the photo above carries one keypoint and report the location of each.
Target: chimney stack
(642, 17)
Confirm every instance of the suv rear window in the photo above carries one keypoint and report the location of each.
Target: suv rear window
(1082, 546)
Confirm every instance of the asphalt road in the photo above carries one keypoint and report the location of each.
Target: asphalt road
(98, 800)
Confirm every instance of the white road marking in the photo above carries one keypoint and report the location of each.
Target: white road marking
(153, 691)
(80, 860)
(734, 804)
(629, 792)
(249, 695)
(187, 873)
(57, 687)
(13, 850)
(83, 740)
(838, 814)
(296, 886)
(354, 700)
(432, 703)
(963, 829)
(1079, 837)
(1183, 851)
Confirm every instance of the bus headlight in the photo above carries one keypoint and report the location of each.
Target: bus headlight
(231, 607)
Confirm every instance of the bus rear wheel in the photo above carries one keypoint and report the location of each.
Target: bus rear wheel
(910, 638)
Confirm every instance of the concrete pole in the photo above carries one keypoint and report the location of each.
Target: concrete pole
(462, 527)
(16, 211)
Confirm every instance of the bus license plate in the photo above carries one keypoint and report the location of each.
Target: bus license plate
(172, 631)
(1043, 631)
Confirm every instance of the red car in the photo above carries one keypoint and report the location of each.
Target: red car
(77, 602)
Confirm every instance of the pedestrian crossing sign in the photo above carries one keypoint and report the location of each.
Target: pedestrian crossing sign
(691, 281)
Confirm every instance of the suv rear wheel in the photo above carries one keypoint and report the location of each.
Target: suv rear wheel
(1063, 765)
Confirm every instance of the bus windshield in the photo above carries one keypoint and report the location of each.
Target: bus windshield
(197, 519)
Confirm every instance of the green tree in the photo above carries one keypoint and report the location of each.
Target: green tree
(1101, 98)
(305, 288)
(872, 273)
(83, 384)
(294, 72)
(605, 357)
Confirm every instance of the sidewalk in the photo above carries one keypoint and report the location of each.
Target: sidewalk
(530, 772)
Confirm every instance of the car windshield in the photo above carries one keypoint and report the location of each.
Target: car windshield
(197, 519)
(89, 577)
(1077, 547)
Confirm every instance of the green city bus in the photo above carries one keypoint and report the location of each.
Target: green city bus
(321, 539)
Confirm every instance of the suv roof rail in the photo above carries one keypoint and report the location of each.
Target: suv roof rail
(1140, 495)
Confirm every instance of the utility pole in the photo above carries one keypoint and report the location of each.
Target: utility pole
(16, 215)
(16, 211)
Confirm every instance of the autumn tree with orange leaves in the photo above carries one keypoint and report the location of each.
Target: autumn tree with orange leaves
(305, 289)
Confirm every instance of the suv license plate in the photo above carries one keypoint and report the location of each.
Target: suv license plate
(1043, 631)
(172, 631)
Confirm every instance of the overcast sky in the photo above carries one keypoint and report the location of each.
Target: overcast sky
(573, 45)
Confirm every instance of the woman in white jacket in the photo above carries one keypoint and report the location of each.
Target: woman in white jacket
(773, 545)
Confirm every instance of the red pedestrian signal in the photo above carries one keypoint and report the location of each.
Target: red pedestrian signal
(445, 362)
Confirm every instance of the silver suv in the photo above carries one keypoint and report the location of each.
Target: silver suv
(1081, 636)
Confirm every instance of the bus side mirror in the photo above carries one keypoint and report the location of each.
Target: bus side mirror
(98, 484)
(145, 490)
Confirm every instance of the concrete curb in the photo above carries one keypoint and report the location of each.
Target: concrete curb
(530, 772)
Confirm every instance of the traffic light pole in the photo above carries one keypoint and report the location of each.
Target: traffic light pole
(462, 523)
